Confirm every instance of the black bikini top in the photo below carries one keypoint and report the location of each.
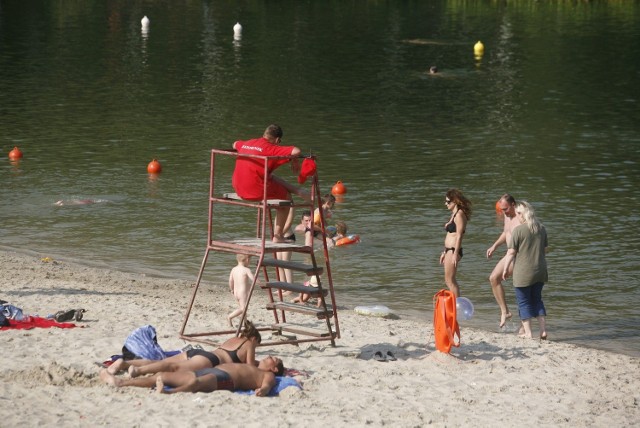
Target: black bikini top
(234, 353)
(451, 226)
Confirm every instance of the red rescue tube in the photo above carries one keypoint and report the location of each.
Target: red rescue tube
(351, 239)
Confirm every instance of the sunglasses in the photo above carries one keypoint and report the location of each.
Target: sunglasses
(447, 201)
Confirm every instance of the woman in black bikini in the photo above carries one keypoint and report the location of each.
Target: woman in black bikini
(460, 208)
(240, 349)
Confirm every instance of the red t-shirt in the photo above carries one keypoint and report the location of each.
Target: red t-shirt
(248, 180)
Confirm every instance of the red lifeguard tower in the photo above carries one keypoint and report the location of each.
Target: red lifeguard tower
(322, 323)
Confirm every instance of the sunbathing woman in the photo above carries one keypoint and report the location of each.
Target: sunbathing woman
(235, 350)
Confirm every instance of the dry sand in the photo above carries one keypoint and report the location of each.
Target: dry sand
(49, 377)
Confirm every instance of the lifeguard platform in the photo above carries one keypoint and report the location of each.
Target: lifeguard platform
(321, 320)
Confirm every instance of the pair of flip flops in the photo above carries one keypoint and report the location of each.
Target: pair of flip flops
(63, 316)
(388, 356)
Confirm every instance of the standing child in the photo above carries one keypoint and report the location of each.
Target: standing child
(240, 280)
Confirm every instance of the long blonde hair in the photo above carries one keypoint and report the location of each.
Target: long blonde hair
(529, 216)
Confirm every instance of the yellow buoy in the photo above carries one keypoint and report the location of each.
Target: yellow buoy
(478, 48)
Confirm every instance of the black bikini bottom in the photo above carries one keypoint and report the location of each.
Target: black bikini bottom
(452, 249)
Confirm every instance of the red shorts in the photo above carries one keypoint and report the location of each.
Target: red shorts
(274, 191)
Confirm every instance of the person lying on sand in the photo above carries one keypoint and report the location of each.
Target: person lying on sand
(240, 349)
(229, 377)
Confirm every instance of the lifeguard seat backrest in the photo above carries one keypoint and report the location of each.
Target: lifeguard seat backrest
(445, 322)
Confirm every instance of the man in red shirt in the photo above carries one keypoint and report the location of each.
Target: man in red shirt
(248, 176)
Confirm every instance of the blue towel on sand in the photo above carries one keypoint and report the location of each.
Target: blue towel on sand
(282, 382)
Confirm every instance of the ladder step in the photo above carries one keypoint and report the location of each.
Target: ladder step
(301, 308)
(292, 328)
(296, 266)
(296, 288)
(270, 202)
(254, 246)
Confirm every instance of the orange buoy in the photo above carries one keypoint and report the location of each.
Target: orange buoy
(498, 209)
(154, 167)
(15, 153)
(338, 188)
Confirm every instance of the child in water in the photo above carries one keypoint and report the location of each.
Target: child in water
(341, 230)
(328, 202)
(240, 280)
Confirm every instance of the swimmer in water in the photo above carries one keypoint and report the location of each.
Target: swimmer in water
(63, 202)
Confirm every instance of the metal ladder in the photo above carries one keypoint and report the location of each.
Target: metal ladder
(324, 325)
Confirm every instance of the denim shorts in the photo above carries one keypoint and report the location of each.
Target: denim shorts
(529, 300)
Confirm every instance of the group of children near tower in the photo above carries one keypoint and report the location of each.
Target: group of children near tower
(241, 276)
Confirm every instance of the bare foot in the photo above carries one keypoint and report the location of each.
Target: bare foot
(159, 385)
(543, 335)
(230, 322)
(504, 318)
(116, 366)
(133, 371)
(108, 378)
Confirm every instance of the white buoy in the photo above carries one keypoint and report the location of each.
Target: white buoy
(237, 30)
(145, 22)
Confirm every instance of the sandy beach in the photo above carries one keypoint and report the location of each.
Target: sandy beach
(49, 376)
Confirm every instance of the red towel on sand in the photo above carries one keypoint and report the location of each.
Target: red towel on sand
(33, 322)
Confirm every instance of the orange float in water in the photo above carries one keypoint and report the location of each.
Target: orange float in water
(498, 209)
(338, 189)
(15, 154)
(154, 167)
(351, 239)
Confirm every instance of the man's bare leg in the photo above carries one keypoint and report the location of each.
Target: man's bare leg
(143, 382)
(295, 190)
(185, 382)
(498, 291)
(160, 385)
(284, 274)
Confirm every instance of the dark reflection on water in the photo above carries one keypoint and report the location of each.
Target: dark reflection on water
(549, 113)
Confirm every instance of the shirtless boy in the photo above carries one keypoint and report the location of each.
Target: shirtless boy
(507, 205)
(240, 280)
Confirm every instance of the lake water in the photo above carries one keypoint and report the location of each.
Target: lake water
(549, 113)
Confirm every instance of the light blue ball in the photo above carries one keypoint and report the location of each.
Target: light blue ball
(464, 309)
